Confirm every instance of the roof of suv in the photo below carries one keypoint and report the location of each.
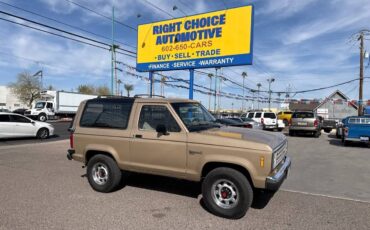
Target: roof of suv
(147, 100)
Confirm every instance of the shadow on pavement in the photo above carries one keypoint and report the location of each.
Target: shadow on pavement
(338, 142)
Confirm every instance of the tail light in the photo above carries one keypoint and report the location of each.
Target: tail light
(316, 123)
(71, 140)
(262, 121)
(290, 122)
(249, 126)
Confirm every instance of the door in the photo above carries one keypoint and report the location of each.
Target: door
(154, 152)
(23, 127)
(50, 109)
(6, 127)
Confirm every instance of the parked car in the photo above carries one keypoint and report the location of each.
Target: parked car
(233, 122)
(281, 125)
(328, 125)
(20, 111)
(14, 125)
(2, 110)
(268, 120)
(177, 138)
(305, 122)
(356, 129)
(285, 116)
(255, 124)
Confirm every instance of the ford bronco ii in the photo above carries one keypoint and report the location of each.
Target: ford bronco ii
(177, 138)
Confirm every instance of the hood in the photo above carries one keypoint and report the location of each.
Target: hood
(273, 140)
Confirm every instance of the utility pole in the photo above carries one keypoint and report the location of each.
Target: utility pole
(219, 91)
(244, 74)
(258, 95)
(113, 56)
(210, 89)
(215, 96)
(270, 80)
(360, 99)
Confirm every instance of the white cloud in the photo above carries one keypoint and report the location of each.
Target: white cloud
(284, 8)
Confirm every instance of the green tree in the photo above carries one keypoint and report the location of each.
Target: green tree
(128, 88)
(102, 90)
(86, 89)
(26, 88)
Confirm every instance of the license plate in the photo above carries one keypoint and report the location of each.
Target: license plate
(364, 138)
(302, 123)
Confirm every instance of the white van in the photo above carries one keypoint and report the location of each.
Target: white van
(267, 119)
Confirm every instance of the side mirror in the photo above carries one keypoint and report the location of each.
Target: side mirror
(33, 122)
(162, 130)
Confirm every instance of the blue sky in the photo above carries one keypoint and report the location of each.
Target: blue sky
(301, 43)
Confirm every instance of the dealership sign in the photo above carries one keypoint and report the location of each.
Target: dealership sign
(215, 39)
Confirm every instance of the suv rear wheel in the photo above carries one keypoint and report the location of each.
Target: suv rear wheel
(103, 173)
(227, 193)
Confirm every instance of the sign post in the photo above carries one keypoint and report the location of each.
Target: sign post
(191, 84)
(151, 84)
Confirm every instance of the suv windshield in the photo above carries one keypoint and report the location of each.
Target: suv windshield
(40, 105)
(303, 115)
(195, 116)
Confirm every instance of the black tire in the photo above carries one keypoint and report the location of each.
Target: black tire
(244, 192)
(280, 129)
(109, 168)
(42, 117)
(43, 133)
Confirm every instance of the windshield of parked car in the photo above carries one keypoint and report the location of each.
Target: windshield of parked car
(270, 115)
(195, 116)
(303, 115)
(40, 105)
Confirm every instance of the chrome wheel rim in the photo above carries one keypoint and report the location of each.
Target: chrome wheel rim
(42, 118)
(225, 194)
(100, 173)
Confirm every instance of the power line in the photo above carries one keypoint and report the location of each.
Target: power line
(60, 30)
(59, 35)
(159, 9)
(63, 23)
(100, 14)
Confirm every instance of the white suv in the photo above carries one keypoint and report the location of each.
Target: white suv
(267, 119)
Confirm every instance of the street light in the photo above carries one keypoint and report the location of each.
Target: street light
(270, 80)
(244, 74)
(39, 73)
(258, 95)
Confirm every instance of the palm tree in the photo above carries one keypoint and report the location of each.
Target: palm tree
(128, 88)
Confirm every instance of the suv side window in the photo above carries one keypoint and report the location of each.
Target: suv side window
(153, 115)
(250, 115)
(258, 115)
(106, 114)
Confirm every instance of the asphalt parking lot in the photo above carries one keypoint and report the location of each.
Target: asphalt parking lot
(328, 188)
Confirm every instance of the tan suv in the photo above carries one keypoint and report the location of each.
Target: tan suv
(177, 138)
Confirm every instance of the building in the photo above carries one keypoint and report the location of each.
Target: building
(336, 105)
(8, 100)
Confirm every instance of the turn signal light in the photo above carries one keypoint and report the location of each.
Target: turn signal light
(262, 162)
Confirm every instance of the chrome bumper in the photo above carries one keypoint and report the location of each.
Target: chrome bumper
(274, 181)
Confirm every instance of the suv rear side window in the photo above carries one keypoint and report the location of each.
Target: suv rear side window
(269, 115)
(250, 115)
(303, 115)
(258, 115)
(106, 114)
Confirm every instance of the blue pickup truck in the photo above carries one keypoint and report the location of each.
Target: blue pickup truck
(356, 129)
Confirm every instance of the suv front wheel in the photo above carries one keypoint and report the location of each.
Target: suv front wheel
(227, 193)
(103, 173)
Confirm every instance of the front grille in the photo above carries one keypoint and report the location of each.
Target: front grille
(27, 112)
(279, 153)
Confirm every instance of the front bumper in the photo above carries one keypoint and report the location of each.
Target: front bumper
(274, 181)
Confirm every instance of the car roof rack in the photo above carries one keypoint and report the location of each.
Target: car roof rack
(148, 96)
(111, 96)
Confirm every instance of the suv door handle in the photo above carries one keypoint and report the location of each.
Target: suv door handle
(195, 152)
(138, 136)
